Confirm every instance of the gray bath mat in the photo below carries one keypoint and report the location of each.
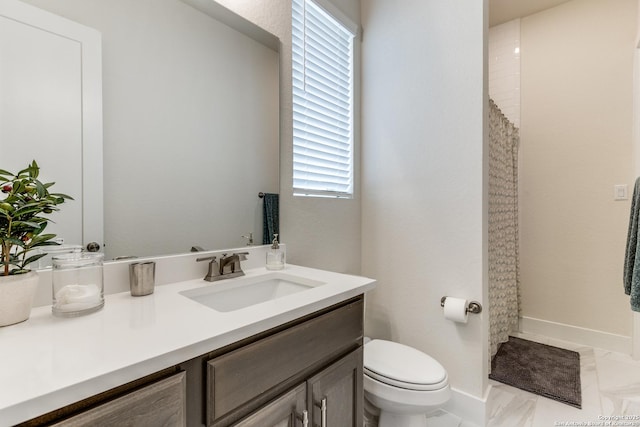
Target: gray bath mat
(538, 368)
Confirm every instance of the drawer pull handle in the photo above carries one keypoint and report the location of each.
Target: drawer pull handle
(304, 417)
(323, 412)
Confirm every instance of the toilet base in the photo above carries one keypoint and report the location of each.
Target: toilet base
(413, 410)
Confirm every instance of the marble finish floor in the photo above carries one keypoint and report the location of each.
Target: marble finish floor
(610, 394)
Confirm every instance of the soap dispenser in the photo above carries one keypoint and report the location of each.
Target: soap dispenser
(275, 255)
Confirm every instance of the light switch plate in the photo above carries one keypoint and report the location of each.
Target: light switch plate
(620, 192)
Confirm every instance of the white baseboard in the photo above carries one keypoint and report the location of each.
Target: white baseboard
(576, 334)
(635, 341)
(467, 407)
(635, 353)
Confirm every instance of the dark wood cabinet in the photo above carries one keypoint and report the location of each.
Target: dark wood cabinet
(288, 410)
(332, 397)
(335, 394)
(161, 403)
(243, 380)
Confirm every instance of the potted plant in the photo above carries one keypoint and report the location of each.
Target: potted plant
(22, 223)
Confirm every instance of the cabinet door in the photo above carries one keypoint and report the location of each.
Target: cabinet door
(286, 411)
(335, 394)
(158, 404)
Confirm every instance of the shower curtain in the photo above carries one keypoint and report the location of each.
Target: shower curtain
(503, 228)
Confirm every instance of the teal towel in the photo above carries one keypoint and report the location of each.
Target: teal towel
(632, 254)
(270, 218)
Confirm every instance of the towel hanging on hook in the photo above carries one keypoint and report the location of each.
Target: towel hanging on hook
(270, 216)
(631, 261)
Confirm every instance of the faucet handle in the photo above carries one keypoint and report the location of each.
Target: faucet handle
(242, 256)
(214, 269)
(237, 265)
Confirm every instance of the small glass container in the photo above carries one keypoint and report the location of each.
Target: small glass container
(77, 284)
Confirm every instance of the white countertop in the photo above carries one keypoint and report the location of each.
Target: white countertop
(49, 362)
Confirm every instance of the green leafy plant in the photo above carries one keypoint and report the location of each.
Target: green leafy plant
(22, 220)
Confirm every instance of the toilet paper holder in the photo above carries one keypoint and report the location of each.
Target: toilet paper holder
(473, 306)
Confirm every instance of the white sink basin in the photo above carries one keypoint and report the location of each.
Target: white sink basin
(244, 292)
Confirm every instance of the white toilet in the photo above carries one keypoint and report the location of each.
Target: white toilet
(403, 383)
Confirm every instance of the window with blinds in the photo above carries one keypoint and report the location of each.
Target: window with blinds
(322, 103)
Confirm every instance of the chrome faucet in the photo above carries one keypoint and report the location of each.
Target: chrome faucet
(228, 267)
(249, 239)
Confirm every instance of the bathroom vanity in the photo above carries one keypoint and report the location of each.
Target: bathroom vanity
(166, 359)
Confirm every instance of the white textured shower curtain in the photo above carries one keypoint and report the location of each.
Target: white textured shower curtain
(503, 228)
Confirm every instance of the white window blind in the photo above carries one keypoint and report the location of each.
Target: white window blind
(322, 103)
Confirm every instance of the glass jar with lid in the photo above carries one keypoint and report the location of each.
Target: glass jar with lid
(52, 251)
(77, 284)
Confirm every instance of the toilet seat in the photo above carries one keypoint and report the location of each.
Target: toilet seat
(402, 366)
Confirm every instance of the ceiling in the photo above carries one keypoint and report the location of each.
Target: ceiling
(501, 11)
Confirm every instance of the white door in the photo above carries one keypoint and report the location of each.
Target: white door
(51, 111)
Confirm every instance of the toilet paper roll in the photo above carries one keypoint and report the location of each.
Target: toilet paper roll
(455, 309)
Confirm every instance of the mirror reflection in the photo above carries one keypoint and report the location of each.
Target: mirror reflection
(190, 126)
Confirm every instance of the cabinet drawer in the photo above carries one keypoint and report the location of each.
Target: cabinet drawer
(237, 378)
(159, 404)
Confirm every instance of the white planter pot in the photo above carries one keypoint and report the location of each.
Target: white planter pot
(16, 297)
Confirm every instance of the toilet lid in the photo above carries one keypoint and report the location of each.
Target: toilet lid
(403, 366)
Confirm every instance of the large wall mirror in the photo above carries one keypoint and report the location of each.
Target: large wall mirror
(190, 100)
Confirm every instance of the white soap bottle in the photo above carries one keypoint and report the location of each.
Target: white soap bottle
(275, 255)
